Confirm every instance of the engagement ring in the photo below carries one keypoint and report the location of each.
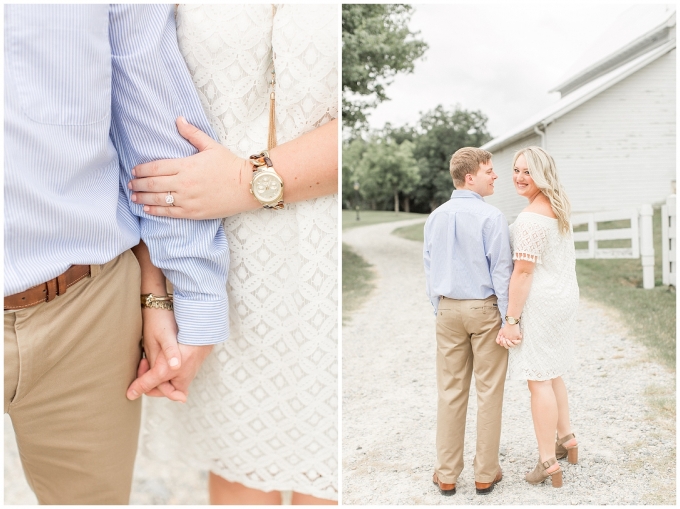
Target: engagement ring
(170, 199)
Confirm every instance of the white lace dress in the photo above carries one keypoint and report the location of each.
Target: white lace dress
(547, 347)
(263, 409)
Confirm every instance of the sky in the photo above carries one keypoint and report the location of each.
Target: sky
(503, 59)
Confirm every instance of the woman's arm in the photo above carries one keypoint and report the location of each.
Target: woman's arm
(153, 280)
(520, 284)
(216, 183)
(159, 329)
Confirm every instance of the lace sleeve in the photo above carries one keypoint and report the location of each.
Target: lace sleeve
(529, 241)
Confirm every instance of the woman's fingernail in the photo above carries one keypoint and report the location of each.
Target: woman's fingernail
(129, 185)
(182, 120)
(146, 208)
(133, 197)
(134, 394)
(134, 174)
(173, 362)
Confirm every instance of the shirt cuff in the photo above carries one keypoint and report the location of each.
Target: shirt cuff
(201, 323)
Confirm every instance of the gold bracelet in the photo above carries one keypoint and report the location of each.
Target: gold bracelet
(149, 300)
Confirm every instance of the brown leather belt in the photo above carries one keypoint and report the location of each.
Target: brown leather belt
(45, 292)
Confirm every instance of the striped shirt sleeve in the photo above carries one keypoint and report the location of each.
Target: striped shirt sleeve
(151, 87)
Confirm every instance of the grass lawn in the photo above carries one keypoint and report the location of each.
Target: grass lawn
(413, 232)
(649, 314)
(357, 281)
(368, 217)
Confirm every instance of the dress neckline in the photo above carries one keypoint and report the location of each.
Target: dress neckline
(537, 214)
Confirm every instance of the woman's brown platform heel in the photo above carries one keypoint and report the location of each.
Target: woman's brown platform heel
(571, 453)
(540, 474)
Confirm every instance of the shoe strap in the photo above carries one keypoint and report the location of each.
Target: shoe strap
(548, 463)
(565, 438)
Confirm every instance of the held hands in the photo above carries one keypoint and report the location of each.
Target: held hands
(509, 336)
(213, 183)
(169, 367)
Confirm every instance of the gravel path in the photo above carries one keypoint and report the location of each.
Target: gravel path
(627, 445)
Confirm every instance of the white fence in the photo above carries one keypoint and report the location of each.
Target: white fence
(639, 233)
(592, 235)
(669, 241)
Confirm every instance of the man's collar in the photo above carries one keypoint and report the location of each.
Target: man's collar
(465, 193)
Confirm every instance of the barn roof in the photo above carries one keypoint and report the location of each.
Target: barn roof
(595, 78)
(637, 31)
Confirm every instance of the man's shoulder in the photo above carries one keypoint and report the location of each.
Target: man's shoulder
(491, 210)
(468, 204)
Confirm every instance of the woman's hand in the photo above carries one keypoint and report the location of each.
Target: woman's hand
(509, 336)
(161, 350)
(212, 184)
(216, 183)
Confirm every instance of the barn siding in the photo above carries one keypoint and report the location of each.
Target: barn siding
(616, 150)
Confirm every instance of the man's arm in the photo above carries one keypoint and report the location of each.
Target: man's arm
(151, 87)
(499, 256)
(434, 299)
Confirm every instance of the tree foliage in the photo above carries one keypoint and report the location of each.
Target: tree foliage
(385, 170)
(352, 153)
(438, 135)
(376, 45)
(410, 161)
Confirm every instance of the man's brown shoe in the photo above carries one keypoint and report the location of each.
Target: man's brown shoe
(484, 488)
(444, 488)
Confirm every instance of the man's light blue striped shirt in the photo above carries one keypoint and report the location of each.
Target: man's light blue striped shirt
(467, 251)
(90, 92)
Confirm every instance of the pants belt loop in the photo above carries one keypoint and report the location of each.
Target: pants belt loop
(61, 284)
(95, 270)
(51, 289)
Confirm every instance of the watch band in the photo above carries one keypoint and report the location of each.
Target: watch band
(261, 159)
(512, 320)
(258, 161)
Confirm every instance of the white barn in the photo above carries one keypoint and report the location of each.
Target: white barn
(612, 133)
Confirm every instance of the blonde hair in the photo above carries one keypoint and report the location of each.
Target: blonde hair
(467, 160)
(543, 171)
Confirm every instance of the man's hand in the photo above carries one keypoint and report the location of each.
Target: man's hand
(160, 374)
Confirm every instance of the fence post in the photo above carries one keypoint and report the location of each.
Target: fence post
(647, 246)
(668, 241)
(592, 228)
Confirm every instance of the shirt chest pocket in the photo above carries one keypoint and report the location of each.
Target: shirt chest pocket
(59, 59)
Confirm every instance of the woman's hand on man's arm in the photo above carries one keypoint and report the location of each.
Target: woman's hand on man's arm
(216, 183)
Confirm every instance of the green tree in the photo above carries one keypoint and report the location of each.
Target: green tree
(376, 45)
(438, 135)
(386, 169)
(352, 152)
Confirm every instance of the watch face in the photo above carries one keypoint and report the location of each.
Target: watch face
(266, 187)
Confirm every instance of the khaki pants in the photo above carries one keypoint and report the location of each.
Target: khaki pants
(68, 363)
(466, 342)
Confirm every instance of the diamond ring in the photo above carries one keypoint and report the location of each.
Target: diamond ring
(170, 199)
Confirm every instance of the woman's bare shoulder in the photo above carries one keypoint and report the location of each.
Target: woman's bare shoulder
(542, 207)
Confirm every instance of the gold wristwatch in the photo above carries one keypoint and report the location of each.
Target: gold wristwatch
(267, 185)
(511, 320)
(149, 300)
